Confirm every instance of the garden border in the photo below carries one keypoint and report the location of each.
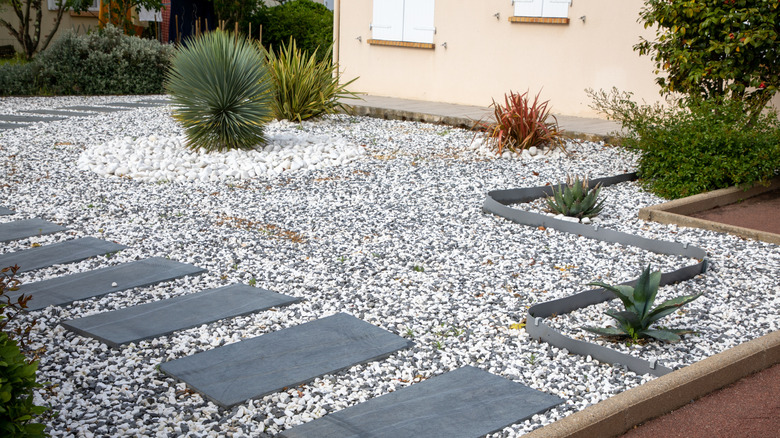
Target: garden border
(497, 202)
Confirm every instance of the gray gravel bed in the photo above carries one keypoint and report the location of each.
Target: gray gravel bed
(396, 237)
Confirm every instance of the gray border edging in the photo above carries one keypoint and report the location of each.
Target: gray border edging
(674, 212)
(496, 203)
(618, 414)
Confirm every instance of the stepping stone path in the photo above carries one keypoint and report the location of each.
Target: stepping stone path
(69, 288)
(49, 115)
(464, 402)
(164, 317)
(265, 364)
(27, 228)
(452, 404)
(68, 251)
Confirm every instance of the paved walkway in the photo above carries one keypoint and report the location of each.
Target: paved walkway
(464, 115)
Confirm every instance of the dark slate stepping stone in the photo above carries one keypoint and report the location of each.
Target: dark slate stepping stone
(94, 109)
(467, 402)
(27, 228)
(4, 126)
(64, 252)
(131, 104)
(28, 119)
(69, 288)
(265, 364)
(60, 113)
(4, 211)
(163, 317)
(157, 101)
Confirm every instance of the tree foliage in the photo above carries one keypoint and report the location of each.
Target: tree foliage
(723, 49)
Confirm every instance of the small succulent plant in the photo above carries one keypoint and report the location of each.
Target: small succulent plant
(576, 199)
(639, 314)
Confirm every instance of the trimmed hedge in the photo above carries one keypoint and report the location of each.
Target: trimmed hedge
(310, 24)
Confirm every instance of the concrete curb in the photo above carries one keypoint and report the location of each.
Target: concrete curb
(618, 414)
(674, 212)
(456, 121)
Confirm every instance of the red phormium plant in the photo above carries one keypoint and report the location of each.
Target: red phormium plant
(520, 124)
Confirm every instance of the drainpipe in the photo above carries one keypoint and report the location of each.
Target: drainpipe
(336, 30)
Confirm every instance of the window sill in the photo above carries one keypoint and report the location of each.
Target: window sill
(85, 14)
(401, 44)
(542, 20)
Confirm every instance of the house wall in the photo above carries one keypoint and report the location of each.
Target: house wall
(486, 57)
(79, 22)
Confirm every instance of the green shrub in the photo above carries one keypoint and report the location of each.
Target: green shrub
(103, 62)
(303, 86)
(18, 79)
(520, 124)
(310, 24)
(17, 373)
(220, 89)
(697, 146)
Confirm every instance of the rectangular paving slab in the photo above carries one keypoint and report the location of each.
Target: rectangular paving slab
(131, 104)
(27, 119)
(94, 109)
(4, 126)
(60, 113)
(27, 228)
(467, 402)
(69, 288)
(265, 364)
(68, 251)
(4, 211)
(157, 101)
(163, 317)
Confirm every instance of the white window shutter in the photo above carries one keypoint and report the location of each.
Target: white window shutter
(52, 4)
(528, 8)
(556, 8)
(418, 21)
(388, 20)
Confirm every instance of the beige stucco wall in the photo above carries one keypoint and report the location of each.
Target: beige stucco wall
(486, 57)
(78, 23)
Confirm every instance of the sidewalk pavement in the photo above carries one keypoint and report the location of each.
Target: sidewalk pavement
(465, 116)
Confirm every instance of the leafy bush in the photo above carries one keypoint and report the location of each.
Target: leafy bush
(103, 62)
(17, 373)
(303, 86)
(639, 314)
(576, 199)
(18, 79)
(694, 146)
(220, 89)
(310, 24)
(520, 124)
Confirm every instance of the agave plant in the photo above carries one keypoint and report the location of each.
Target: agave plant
(639, 314)
(305, 87)
(220, 90)
(576, 199)
(520, 124)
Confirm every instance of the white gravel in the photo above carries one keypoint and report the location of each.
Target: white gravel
(393, 234)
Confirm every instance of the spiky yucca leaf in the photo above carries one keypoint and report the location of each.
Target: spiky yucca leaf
(303, 86)
(220, 91)
(576, 199)
(639, 314)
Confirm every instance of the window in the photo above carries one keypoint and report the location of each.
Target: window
(95, 6)
(403, 20)
(542, 8)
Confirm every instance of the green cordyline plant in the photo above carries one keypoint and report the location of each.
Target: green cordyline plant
(520, 124)
(220, 89)
(303, 86)
(576, 199)
(639, 314)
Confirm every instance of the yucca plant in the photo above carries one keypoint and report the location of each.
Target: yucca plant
(220, 90)
(576, 199)
(639, 314)
(520, 124)
(303, 86)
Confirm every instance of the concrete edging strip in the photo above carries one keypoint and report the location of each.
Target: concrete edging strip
(616, 415)
(676, 211)
(496, 202)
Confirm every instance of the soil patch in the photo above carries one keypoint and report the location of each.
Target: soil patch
(760, 212)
